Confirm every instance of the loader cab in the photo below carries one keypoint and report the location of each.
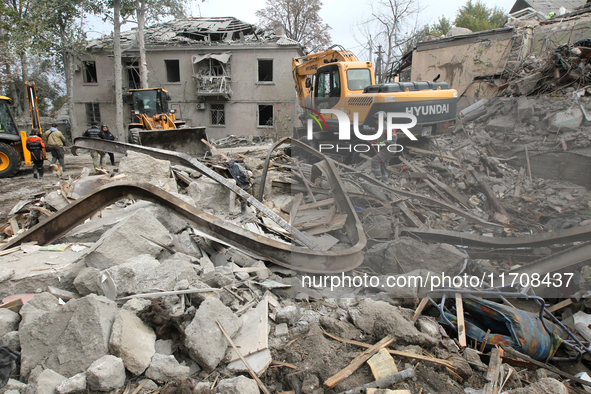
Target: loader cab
(8, 131)
(150, 101)
(337, 80)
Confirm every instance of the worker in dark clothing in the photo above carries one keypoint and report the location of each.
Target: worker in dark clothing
(35, 145)
(107, 135)
(385, 150)
(97, 156)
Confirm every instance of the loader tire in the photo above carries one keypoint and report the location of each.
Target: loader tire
(10, 161)
(134, 136)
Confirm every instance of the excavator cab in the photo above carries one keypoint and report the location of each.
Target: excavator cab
(150, 101)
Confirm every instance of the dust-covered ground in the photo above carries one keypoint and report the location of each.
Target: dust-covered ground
(23, 186)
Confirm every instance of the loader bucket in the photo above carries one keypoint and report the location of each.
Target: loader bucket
(185, 140)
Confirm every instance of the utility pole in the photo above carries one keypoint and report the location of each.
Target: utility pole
(379, 78)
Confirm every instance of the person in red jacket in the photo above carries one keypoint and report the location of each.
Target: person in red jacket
(35, 145)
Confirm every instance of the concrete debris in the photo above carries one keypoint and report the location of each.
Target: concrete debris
(132, 341)
(204, 340)
(503, 175)
(166, 368)
(74, 385)
(68, 338)
(106, 374)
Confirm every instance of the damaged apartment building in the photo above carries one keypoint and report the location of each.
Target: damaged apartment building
(221, 73)
(481, 64)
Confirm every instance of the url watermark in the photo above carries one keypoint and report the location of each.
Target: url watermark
(434, 281)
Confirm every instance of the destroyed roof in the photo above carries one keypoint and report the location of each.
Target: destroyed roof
(196, 32)
(545, 6)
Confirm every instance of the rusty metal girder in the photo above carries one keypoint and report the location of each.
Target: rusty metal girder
(296, 258)
(188, 161)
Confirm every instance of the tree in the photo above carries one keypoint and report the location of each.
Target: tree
(476, 16)
(152, 10)
(300, 21)
(393, 25)
(441, 27)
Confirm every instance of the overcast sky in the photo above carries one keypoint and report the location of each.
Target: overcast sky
(341, 15)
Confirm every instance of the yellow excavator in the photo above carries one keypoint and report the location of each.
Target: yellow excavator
(155, 125)
(335, 79)
(13, 143)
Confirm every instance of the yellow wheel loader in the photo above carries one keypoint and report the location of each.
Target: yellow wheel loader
(13, 143)
(154, 124)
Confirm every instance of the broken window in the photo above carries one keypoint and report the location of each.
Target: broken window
(93, 113)
(218, 115)
(89, 74)
(265, 70)
(133, 75)
(173, 71)
(265, 115)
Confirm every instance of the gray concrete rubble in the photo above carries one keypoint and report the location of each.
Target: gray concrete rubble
(166, 368)
(237, 385)
(143, 168)
(74, 385)
(48, 381)
(106, 374)
(132, 341)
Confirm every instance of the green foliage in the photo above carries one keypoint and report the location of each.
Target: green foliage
(441, 27)
(476, 16)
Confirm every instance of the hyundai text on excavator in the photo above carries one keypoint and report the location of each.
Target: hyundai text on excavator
(13, 143)
(155, 125)
(335, 79)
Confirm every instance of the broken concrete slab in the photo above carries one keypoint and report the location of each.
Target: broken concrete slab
(69, 338)
(166, 368)
(525, 109)
(56, 200)
(48, 381)
(258, 362)
(88, 281)
(289, 314)
(502, 124)
(569, 120)
(253, 335)
(164, 347)
(543, 386)
(143, 168)
(204, 340)
(527, 84)
(12, 341)
(133, 341)
(169, 219)
(237, 385)
(74, 385)
(131, 276)
(5, 274)
(379, 319)
(210, 196)
(406, 254)
(37, 306)
(135, 235)
(106, 374)
(9, 321)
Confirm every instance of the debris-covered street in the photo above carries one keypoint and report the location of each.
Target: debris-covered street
(419, 227)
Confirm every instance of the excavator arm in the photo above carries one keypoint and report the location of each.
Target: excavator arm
(305, 66)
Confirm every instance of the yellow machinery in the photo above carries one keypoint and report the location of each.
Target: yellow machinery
(336, 79)
(155, 124)
(13, 143)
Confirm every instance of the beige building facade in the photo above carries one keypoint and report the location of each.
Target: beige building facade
(220, 73)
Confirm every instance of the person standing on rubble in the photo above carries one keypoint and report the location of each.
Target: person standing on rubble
(385, 150)
(55, 144)
(35, 145)
(107, 135)
(97, 155)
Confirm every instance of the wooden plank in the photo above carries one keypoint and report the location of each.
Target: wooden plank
(415, 220)
(461, 325)
(560, 305)
(494, 367)
(400, 353)
(382, 365)
(321, 221)
(420, 308)
(14, 305)
(318, 204)
(295, 206)
(250, 371)
(357, 362)
(418, 175)
(337, 224)
(485, 341)
(253, 335)
(213, 148)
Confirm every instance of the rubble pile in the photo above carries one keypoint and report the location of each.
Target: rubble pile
(564, 71)
(142, 299)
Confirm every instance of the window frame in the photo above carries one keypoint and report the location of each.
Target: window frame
(93, 110)
(272, 81)
(167, 62)
(222, 110)
(84, 72)
(266, 126)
